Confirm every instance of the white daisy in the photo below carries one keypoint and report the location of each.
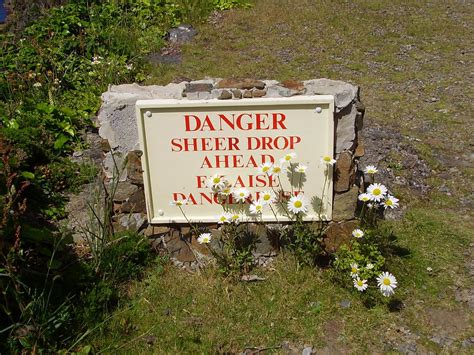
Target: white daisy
(226, 190)
(236, 217)
(369, 266)
(357, 233)
(241, 194)
(268, 197)
(223, 218)
(288, 157)
(275, 170)
(265, 168)
(216, 182)
(37, 85)
(204, 238)
(390, 201)
(387, 283)
(370, 169)
(298, 204)
(178, 202)
(376, 191)
(364, 197)
(256, 207)
(328, 160)
(354, 270)
(361, 285)
(300, 168)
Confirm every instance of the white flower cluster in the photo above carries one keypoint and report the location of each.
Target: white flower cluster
(386, 282)
(377, 194)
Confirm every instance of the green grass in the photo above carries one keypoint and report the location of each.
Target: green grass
(401, 53)
(181, 312)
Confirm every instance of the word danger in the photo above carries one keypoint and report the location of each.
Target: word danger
(240, 121)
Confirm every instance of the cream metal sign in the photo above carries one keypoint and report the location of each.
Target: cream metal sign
(186, 142)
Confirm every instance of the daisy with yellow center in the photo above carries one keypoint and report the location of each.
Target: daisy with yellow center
(241, 195)
(288, 157)
(268, 197)
(216, 182)
(370, 169)
(328, 160)
(354, 270)
(275, 170)
(376, 191)
(360, 285)
(265, 168)
(364, 197)
(204, 238)
(391, 202)
(236, 218)
(223, 218)
(357, 233)
(226, 190)
(298, 204)
(181, 202)
(300, 168)
(387, 283)
(256, 207)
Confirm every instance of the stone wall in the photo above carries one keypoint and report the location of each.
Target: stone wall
(118, 129)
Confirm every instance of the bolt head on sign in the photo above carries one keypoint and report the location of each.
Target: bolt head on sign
(187, 142)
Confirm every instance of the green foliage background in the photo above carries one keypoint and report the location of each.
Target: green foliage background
(52, 71)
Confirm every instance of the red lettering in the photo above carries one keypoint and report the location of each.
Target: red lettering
(226, 120)
(260, 121)
(294, 140)
(201, 181)
(278, 122)
(239, 122)
(207, 123)
(187, 123)
(175, 143)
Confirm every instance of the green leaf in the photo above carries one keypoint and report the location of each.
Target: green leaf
(28, 175)
(59, 143)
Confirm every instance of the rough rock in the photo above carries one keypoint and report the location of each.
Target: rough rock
(129, 222)
(134, 167)
(237, 94)
(224, 95)
(117, 114)
(258, 93)
(181, 34)
(247, 94)
(196, 87)
(136, 203)
(295, 85)
(346, 128)
(199, 95)
(154, 231)
(344, 93)
(178, 247)
(123, 191)
(345, 204)
(114, 166)
(345, 171)
(278, 91)
(360, 149)
(79, 213)
(338, 234)
(240, 84)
